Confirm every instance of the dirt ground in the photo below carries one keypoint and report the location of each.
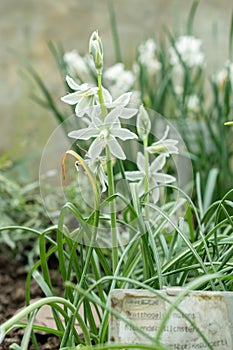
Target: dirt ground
(12, 298)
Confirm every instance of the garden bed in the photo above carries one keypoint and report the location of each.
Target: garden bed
(12, 298)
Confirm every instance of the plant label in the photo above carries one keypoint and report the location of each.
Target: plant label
(198, 320)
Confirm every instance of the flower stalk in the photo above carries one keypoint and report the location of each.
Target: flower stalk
(100, 94)
(111, 187)
(112, 207)
(146, 181)
(143, 129)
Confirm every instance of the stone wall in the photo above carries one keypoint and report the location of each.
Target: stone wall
(27, 25)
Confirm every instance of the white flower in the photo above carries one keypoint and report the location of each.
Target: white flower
(193, 104)
(155, 175)
(164, 146)
(86, 99)
(96, 165)
(147, 56)
(189, 49)
(76, 65)
(112, 73)
(118, 79)
(105, 133)
(85, 96)
(221, 77)
(122, 101)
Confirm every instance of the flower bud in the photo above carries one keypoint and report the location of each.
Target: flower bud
(96, 51)
(143, 123)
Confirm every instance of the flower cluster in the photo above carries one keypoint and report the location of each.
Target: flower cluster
(104, 131)
(147, 56)
(185, 55)
(118, 79)
(104, 127)
(188, 50)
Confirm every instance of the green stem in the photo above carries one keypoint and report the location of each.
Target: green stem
(111, 187)
(112, 207)
(145, 242)
(94, 228)
(146, 183)
(115, 36)
(101, 97)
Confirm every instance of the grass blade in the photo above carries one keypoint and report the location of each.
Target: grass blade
(115, 36)
(191, 17)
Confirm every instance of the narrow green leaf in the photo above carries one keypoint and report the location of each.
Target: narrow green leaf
(210, 187)
(113, 25)
(191, 17)
(231, 40)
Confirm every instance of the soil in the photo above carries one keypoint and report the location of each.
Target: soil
(12, 298)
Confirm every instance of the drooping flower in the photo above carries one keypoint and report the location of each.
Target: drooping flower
(189, 49)
(96, 165)
(156, 176)
(105, 133)
(164, 146)
(85, 96)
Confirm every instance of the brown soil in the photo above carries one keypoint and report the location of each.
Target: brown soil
(12, 298)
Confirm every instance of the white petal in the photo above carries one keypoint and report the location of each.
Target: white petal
(167, 147)
(134, 175)
(164, 178)
(107, 96)
(103, 180)
(80, 112)
(158, 163)
(116, 149)
(123, 134)
(122, 100)
(71, 99)
(141, 162)
(96, 148)
(141, 187)
(112, 116)
(84, 105)
(116, 125)
(165, 133)
(155, 195)
(97, 122)
(83, 134)
(169, 142)
(74, 86)
(96, 112)
(128, 113)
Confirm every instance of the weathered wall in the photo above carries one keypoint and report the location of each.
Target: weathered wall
(27, 25)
